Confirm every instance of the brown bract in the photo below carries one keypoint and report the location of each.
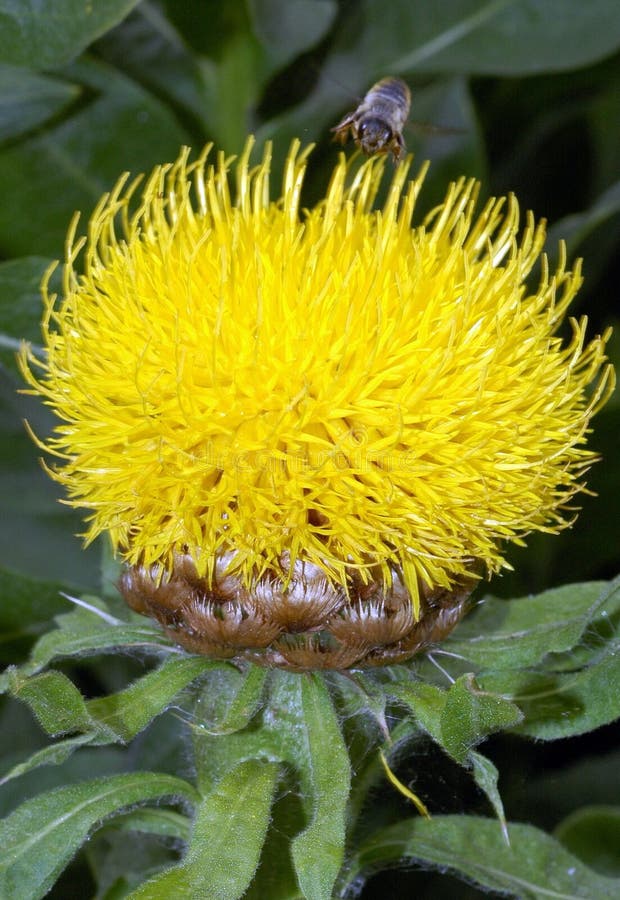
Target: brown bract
(297, 619)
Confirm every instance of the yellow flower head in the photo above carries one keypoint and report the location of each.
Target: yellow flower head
(240, 380)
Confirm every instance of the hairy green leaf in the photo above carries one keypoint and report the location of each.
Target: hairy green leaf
(54, 700)
(566, 703)
(509, 634)
(232, 700)
(471, 714)
(40, 837)
(162, 822)
(486, 777)
(533, 867)
(54, 755)
(60, 708)
(459, 718)
(90, 629)
(126, 713)
(572, 692)
(426, 701)
(323, 762)
(298, 726)
(226, 839)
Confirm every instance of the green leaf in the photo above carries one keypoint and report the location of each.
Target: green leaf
(40, 837)
(244, 704)
(27, 605)
(459, 718)
(471, 714)
(573, 692)
(235, 816)
(533, 867)
(567, 703)
(133, 847)
(54, 755)
(54, 699)
(128, 712)
(299, 727)
(240, 47)
(592, 778)
(574, 229)
(426, 701)
(20, 304)
(507, 634)
(60, 708)
(360, 695)
(275, 877)
(67, 166)
(217, 753)
(233, 700)
(37, 534)
(288, 27)
(27, 100)
(148, 49)
(604, 129)
(324, 767)
(90, 630)
(486, 777)
(593, 834)
(498, 37)
(233, 70)
(161, 822)
(51, 32)
(115, 718)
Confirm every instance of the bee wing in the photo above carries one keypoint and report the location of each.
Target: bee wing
(429, 128)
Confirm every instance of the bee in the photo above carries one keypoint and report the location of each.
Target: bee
(377, 124)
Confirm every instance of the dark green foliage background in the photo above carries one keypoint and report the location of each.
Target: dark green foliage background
(531, 91)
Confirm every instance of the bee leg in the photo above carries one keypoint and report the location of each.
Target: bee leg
(398, 148)
(342, 129)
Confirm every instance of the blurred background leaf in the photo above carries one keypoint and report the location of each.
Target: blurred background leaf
(52, 32)
(28, 100)
(593, 834)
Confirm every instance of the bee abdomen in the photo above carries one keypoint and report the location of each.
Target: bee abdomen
(390, 90)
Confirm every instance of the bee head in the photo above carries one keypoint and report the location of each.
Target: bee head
(375, 135)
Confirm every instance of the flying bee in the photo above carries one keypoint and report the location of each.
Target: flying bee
(377, 124)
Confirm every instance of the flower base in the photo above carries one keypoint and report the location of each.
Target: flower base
(297, 620)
